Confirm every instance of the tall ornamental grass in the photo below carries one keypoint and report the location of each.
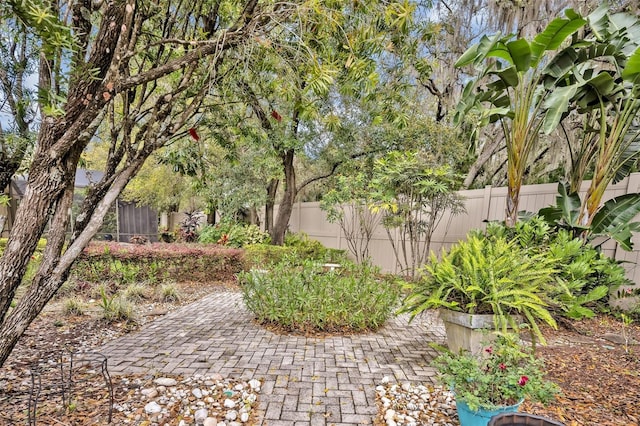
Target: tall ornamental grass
(305, 297)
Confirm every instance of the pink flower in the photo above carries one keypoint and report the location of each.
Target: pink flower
(523, 380)
(502, 366)
(489, 350)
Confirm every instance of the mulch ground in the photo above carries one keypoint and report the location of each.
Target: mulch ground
(598, 372)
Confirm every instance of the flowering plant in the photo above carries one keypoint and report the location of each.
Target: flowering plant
(504, 374)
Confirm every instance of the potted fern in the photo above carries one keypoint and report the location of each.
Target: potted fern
(483, 283)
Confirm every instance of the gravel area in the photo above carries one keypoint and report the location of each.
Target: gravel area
(197, 400)
(407, 404)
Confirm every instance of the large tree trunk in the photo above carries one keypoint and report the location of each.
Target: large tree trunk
(286, 205)
(272, 190)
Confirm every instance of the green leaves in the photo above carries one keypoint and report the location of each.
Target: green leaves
(631, 71)
(41, 19)
(486, 276)
(555, 34)
(520, 53)
(567, 208)
(614, 218)
(303, 297)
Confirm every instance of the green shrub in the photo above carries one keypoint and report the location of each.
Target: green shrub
(313, 249)
(100, 290)
(486, 276)
(303, 297)
(116, 308)
(232, 234)
(583, 274)
(158, 262)
(296, 249)
(262, 255)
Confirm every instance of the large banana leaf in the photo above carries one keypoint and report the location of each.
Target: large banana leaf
(557, 105)
(567, 208)
(599, 21)
(520, 54)
(631, 71)
(631, 155)
(614, 218)
(555, 34)
(478, 52)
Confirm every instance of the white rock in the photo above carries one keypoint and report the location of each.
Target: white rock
(231, 415)
(389, 414)
(391, 423)
(165, 381)
(406, 386)
(201, 415)
(210, 421)
(229, 403)
(182, 423)
(152, 408)
(385, 380)
(149, 392)
(244, 417)
(239, 387)
(196, 392)
(255, 384)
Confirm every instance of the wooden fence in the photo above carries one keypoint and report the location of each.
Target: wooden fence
(481, 205)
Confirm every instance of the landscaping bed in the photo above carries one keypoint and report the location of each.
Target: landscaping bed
(599, 379)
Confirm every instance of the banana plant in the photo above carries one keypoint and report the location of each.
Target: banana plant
(604, 85)
(612, 219)
(509, 88)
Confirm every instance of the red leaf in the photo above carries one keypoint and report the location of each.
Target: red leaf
(194, 134)
(275, 115)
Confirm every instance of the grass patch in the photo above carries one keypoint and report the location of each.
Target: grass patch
(116, 308)
(73, 306)
(135, 292)
(307, 298)
(169, 292)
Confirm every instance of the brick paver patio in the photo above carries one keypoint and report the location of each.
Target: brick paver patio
(306, 381)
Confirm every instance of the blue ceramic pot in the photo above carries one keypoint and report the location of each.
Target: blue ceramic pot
(482, 416)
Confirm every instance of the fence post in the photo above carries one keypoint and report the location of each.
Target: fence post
(486, 203)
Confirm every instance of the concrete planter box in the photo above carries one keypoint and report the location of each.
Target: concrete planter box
(466, 331)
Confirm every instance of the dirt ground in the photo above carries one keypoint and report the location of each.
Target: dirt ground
(596, 362)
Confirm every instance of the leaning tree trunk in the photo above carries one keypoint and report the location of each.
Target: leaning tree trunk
(56, 265)
(286, 205)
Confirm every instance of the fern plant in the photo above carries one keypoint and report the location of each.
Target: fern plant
(486, 276)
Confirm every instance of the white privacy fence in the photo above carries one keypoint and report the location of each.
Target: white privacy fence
(481, 205)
